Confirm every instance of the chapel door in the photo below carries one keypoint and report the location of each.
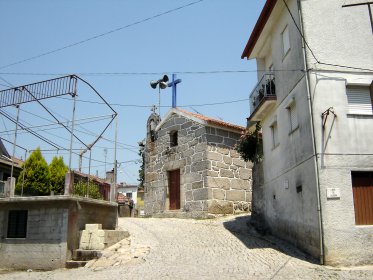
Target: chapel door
(174, 189)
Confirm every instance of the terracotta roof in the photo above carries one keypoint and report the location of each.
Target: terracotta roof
(213, 121)
(92, 177)
(258, 28)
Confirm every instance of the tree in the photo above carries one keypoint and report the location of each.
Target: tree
(35, 176)
(58, 170)
(142, 167)
(250, 145)
(80, 189)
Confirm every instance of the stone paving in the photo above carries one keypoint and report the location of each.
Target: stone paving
(222, 248)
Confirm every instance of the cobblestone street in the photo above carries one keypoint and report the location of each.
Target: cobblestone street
(224, 248)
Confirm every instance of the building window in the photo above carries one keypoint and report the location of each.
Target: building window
(285, 41)
(362, 187)
(17, 223)
(359, 100)
(274, 131)
(173, 138)
(129, 195)
(293, 118)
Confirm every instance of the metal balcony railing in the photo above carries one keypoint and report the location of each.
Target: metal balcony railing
(265, 89)
(2, 184)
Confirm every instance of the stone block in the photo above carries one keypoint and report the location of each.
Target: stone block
(239, 162)
(223, 151)
(150, 177)
(201, 194)
(189, 196)
(245, 174)
(214, 139)
(92, 227)
(197, 185)
(212, 173)
(194, 206)
(180, 120)
(214, 156)
(234, 135)
(234, 154)
(186, 125)
(248, 196)
(222, 165)
(227, 160)
(218, 194)
(201, 147)
(197, 157)
(229, 142)
(221, 132)
(191, 178)
(238, 184)
(235, 195)
(220, 207)
(201, 165)
(199, 131)
(226, 173)
(221, 183)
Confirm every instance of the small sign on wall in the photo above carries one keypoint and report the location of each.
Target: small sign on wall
(333, 193)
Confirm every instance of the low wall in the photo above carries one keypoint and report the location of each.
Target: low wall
(52, 229)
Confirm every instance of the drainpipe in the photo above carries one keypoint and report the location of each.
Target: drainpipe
(309, 97)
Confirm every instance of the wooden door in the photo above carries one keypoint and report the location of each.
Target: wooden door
(174, 189)
(362, 186)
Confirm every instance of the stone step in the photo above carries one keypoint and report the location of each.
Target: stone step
(75, 264)
(86, 255)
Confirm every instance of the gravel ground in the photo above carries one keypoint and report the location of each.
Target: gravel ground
(222, 248)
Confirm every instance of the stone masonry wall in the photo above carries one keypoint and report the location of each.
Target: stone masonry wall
(213, 179)
(229, 177)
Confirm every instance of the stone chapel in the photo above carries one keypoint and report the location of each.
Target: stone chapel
(192, 168)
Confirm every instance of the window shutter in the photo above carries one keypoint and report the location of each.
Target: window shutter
(371, 94)
(359, 101)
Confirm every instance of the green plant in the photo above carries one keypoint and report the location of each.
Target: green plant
(250, 145)
(35, 177)
(80, 189)
(58, 170)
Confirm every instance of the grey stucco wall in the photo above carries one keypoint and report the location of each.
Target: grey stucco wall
(205, 156)
(52, 229)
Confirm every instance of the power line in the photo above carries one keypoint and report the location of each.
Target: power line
(101, 35)
(144, 73)
(164, 106)
(312, 53)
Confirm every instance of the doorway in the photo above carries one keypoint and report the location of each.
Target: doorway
(174, 189)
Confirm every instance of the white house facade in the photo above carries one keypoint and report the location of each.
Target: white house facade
(314, 102)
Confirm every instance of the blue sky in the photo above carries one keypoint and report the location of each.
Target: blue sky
(207, 36)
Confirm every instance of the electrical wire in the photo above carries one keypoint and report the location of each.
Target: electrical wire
(102, 34)
(313, 54)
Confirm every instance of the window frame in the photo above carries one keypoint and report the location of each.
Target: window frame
(19, 230)
(359, 105)
(293, 117)
(274, 134)
(174, 138)
(286, 32)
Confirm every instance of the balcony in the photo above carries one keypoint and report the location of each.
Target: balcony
(2, 184)
(263, 97)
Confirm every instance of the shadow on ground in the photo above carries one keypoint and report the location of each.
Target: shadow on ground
(241, 228)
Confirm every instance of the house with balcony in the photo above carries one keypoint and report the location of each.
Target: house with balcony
(314, 186)
(6, 162)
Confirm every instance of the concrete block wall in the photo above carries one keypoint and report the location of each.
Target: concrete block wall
(45, 244)
(52, 229)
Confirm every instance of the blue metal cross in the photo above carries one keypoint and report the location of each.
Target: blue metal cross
(173, 85)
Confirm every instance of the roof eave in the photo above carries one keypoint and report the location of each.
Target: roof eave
(258, 28)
